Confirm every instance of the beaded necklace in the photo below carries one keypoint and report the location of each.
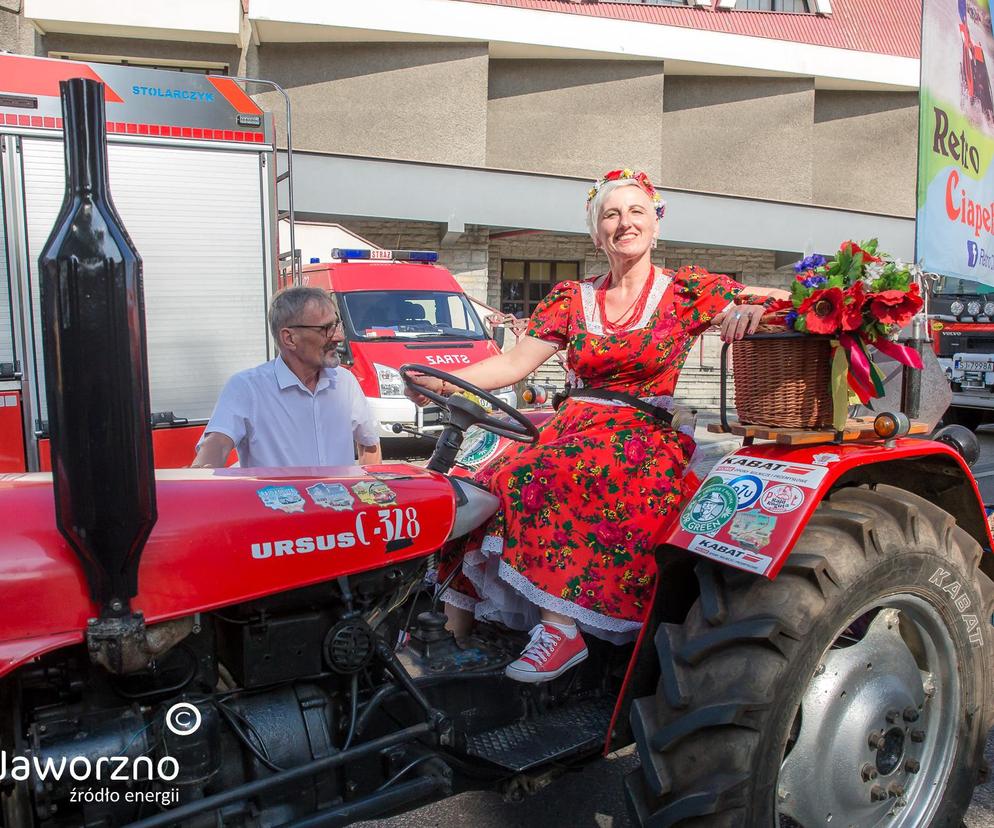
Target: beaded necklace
(635, 310)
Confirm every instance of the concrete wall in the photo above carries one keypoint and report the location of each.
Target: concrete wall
(16, 34)
(743, 136)
(423, 102)
(866, 150)
(574, 117)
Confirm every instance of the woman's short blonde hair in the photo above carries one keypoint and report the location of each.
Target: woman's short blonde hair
(594, 205)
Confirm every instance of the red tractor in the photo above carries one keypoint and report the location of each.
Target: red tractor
(818, 649)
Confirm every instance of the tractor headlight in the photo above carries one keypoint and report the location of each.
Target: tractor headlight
(391, 385)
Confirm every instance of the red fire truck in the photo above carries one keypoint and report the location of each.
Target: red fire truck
(192, 164)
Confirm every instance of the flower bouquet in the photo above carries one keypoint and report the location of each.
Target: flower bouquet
(860, 298)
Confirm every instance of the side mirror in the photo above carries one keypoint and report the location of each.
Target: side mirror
(499, 333)
(344, 353)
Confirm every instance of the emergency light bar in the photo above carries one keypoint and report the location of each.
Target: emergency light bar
(345, 253)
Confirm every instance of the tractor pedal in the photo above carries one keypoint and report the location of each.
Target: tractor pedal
(555, 736)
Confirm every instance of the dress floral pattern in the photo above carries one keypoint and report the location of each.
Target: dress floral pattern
(583, 508)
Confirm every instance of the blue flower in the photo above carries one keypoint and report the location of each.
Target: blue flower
(814, 281)
(790, 318)
(810, 262)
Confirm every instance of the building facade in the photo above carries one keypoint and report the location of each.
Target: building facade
(773, 127)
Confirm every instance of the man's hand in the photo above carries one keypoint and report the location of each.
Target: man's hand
(214, 451)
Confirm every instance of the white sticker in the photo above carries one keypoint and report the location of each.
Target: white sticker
(801, 474)
(825, 459)
(782, 498)
(734, 555)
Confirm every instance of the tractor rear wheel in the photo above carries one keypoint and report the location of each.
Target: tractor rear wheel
(854, 689)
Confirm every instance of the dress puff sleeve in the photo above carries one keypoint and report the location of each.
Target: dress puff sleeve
(550, 319)
(702, 295)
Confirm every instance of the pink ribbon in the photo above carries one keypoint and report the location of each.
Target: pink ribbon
(900, 353)
(859, 368)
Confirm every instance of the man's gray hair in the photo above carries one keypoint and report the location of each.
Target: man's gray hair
(594, 208)
(287, 306)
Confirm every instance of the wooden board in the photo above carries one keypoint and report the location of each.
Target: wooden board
(856, 429)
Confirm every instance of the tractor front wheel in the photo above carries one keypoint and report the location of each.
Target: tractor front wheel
(853, 690)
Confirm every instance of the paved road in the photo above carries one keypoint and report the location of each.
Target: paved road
(592, 798)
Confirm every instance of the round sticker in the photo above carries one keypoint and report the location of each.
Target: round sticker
(781, 498)
(747, 489)
(710, 509)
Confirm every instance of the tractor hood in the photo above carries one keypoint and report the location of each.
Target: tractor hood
(223, 536)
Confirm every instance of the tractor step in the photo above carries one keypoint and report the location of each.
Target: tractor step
(555, 736)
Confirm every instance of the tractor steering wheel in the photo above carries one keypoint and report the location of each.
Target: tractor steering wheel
(464, 413)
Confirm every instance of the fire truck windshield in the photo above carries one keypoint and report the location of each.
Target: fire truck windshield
(951, 285)
(411, 314)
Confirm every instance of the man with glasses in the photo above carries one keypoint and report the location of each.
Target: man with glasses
(300, 409)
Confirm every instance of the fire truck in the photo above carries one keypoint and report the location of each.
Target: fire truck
(962, 328)
(192, 161)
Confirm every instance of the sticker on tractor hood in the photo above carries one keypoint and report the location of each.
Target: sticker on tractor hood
(282, 498)
(331, 496)
(747, 504)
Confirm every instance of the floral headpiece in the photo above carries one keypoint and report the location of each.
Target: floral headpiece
(639, 178)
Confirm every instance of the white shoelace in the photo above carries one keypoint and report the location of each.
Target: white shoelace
(541, 645)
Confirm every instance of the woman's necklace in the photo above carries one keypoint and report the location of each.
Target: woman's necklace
(635, 309)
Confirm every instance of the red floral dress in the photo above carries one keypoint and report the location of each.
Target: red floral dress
(582, 509)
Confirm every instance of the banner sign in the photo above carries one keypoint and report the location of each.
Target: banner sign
(955, 203)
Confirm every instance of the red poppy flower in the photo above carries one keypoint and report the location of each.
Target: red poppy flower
(852, 248)
(852, 310)
(614, 175)
(895, 307)
(822, 311)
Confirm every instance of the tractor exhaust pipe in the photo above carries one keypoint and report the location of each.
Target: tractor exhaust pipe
(96, 378)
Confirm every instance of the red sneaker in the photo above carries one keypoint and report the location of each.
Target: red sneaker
(549, 654)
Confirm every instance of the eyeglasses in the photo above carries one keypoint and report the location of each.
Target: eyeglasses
(328, 330)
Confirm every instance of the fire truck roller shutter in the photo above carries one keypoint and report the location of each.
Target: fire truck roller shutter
(6, 323)
(196, 217)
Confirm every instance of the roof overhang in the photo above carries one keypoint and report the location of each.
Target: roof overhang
(349, 186)
(217, 21)
(527, 33)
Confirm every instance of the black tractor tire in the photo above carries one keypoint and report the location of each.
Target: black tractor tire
(719, 732)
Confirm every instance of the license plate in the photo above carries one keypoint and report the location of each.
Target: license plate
(963, 365)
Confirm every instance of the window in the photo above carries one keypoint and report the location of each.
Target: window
(525, 283)
(205, 67)
(795, 6)
(410, 314)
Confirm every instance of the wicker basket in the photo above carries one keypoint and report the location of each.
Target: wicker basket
(783, 383)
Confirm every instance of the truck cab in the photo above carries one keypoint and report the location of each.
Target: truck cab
(400, 307)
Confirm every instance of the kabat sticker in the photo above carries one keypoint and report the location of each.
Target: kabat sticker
(710, 509)
(283, 498)
(752, 529)
(331, 496)
(375, 493)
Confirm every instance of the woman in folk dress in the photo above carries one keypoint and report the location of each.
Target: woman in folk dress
(572, 545)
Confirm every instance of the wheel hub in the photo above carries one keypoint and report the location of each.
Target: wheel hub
(868, 721)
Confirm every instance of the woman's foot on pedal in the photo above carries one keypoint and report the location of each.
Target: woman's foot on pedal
(553, 649)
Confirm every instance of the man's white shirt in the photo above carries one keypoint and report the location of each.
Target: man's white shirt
(274, 420)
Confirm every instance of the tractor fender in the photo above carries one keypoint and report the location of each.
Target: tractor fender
(749, 509)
